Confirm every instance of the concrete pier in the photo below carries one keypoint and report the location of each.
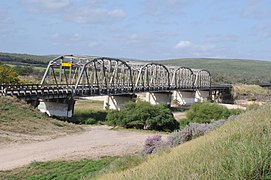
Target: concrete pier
(116, 102)
(62, 109)
(184, 97)
(202, 96)
(159, 98)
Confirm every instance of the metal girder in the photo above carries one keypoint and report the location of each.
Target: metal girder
(105, 76)
(202, 79)
(152, 77)
(89, 76)
(64, 70)
(182, 78)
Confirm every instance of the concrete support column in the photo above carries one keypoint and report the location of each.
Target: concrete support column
(184, 97)
(202, 96)
(116, 102)
(62, 109)
(159, 98)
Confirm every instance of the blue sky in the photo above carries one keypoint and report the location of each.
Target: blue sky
(139, 29)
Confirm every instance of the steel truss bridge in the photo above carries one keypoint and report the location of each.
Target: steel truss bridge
(77, 76)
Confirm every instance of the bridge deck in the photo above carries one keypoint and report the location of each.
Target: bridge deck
(37, 91)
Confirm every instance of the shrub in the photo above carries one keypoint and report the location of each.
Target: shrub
(142, 115)
(8, 75)
(206, 112)
(153, 144)
(23, 70)
(192, 131)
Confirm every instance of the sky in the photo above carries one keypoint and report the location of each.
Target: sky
(138, 29)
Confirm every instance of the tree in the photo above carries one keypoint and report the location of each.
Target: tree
(8, 75)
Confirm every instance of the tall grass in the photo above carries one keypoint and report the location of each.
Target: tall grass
(250, 89)
(240, 149)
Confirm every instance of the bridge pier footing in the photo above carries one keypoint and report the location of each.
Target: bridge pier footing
(184, 97)
(159, 98)
(116, 102)
(62, 109)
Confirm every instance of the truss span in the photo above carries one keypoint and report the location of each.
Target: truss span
(92, 76)
(105, 76)
(202, 79)
(152, 77)
(182, 78)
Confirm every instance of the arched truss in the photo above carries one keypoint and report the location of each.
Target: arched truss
(64, 70)
(182, 78)
(152, 77)
(202, 79)
(104, 76)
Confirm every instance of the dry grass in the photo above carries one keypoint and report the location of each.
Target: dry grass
(17, 117)
(250, 90)
(238, 150)
(88, 104)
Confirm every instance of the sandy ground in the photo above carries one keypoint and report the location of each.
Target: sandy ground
(95, 142)
(233, 106)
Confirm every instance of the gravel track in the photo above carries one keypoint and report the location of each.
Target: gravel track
(94, 142)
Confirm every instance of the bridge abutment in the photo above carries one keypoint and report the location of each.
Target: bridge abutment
(116, 102)
(61, 108)
(159, 98)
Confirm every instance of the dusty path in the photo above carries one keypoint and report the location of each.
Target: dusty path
(96, 141)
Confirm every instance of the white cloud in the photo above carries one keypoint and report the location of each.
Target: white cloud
(47, 5)
(85, 12)
(92, 44)
(257, 9)
(167, 7)
(84, 15)
(191, 49)
(221, 38)
(183, 45)
(5, 23)
(119, 13)
(65, 39)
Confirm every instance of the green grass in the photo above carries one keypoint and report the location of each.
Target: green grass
(88, 104)
(14, 58)
(228, 70)
(240, 149)
(83, 169)
(59, 169)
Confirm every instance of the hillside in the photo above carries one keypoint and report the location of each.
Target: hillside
(24, 59)
(19, 122)
(240, 149)
(223, 70)
(228, 70)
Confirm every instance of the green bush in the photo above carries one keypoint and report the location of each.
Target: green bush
(8, 75)
(206, 112)
(142, 115)
(89, 116)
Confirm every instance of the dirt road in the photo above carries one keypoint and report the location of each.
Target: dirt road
(95, 142)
